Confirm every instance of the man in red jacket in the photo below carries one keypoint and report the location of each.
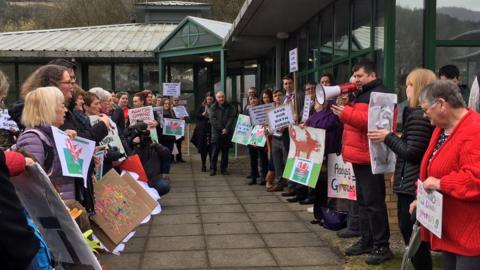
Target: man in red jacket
(374, 229)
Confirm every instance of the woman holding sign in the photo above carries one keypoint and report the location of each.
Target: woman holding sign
(451, 166)
(409, 149)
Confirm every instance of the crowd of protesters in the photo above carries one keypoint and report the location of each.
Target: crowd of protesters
(436, 145)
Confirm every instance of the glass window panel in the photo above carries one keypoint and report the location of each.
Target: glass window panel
(458, 20)
(326, 36)
(150, 77)
(183, 74)
(127, 77)
(467, 59)
(342, 72)
(313, 39)
(302, 49)
(379, 38)
(341, 28)
(362, 16)
(25, 70)
(409, 41)
(100, 76)
(9, 71)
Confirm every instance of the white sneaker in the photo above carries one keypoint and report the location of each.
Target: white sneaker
(310, 209)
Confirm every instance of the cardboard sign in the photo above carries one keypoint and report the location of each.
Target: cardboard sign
(46, 208)
(171, 89)
(258, 114)
(75, 155)
(430, 209)
(112, 138)
(307, 105)
(6, 121)
(341, 179)
(280, 117)
(180, 111)
(173, 127)
(120, 208)
(258, 137)
(243, 130)
(305, 157)
(381, 116)
(293, 60)
(143, 114)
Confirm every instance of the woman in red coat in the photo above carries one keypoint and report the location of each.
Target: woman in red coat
(451, 165)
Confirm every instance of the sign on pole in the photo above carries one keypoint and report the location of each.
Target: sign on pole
(429, 209)
(258, 114)
(280, 117)
(306, 108)
(243, 130)
(293, 57)
(171, 89)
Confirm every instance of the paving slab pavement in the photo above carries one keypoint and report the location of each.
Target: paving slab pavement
(220, 222)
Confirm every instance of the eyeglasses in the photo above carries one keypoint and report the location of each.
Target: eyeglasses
(68, 82)
(425, 111)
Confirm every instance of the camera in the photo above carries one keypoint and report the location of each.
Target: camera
(140, 129)
(114, 154)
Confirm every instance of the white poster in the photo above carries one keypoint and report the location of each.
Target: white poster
(75, 155)
(143, 114)
(243, 130)
(171, 89)
(112, 138)
(293, 57)
(341, 179)
(173, 127)
(180, 111)
(429, 209)
(307, 105)
(258, 114)
(280, 117)
(6, 122)
(381, 116)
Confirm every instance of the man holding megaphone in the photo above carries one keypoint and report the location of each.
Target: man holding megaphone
(374, 229)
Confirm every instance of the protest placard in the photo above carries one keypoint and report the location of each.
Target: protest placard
(280, 117)
(243, 130)
(158, 111)
(341, 179)
(119, 207)
(112, 138)
(180, 111)
(99, 156)
(307, 105)
(44, 205)
(134, 164)
(305, 155)
(430, 209)
(381, 116)
(75, 155)
(6, 121)
(143, 114)
(258, 114)
(173, 127)
(293, 60)
(258, 137)
(171, 89)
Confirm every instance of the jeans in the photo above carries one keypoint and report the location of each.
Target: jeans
(457, 262)
(216, 148)
(353, 219)
(374, 228)
(422, 259)
(279, 155)
(165, 163)
(162, 186)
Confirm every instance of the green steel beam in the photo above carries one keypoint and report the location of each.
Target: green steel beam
(223, 70)
(161, 75)
(186, 52)
(429, 50)
(389, 44)
(457, 43)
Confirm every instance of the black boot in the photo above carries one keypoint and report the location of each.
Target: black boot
(253, 182)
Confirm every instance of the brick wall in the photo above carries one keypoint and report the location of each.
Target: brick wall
(391, 200)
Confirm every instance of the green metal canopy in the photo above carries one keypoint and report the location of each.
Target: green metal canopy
(194, 36)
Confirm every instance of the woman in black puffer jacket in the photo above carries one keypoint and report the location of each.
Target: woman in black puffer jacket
(410, 148)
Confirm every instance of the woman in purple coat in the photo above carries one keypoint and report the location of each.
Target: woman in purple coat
(324, 118)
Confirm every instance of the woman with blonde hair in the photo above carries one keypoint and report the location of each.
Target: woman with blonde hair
(410, 148)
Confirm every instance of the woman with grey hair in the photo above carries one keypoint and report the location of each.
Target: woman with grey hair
(451, 166)
(104, 97)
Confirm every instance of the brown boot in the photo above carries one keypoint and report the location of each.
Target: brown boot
(269, 179)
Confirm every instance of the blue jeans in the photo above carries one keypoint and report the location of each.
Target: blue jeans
(165, 164)
(162, 186)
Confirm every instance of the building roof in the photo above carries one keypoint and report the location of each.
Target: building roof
(120, 40)
(218, 28)
(172, 3)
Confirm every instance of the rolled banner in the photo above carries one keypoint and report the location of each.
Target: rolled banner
(325, 93)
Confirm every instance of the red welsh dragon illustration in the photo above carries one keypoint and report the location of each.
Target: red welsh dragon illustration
(73, 149)
(308, 146)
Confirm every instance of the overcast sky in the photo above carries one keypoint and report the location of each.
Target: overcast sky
(468, 4)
